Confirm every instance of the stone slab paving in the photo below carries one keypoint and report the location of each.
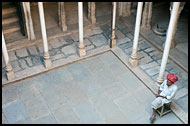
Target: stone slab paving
(105, 96)
(63, 49)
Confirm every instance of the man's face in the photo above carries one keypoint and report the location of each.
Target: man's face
(169, 83)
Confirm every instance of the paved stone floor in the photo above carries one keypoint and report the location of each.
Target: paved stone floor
(93, 90)
(65, 47)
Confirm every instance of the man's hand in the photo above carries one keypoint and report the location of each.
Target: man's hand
(158, 95)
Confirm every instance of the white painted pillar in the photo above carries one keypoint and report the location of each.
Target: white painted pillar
(47, 60)
(28, 20)
(82, 51)
(133, 59)
(171, 28)
(9, 70)
(113, 41)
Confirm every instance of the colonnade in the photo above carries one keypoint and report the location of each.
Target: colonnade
(146, 20)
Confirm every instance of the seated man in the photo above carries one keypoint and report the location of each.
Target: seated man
(165, 94)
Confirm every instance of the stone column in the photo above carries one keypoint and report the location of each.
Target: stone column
(119, 8)
(82, 51)
(126, 9)
(9, 70)
(113, 41)
(47, 61)
(171, 28)
(91, 12)
(175, 27)
(147, 15)
(62, 16)
(28, 20)
(133, 59)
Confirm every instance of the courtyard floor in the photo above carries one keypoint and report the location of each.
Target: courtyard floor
(100, 89)
(103, 88)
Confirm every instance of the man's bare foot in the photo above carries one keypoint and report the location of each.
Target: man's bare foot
(152, 118)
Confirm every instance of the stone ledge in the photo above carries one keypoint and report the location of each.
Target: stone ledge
(149, 83)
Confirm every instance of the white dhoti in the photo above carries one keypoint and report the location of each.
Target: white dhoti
(157, 103)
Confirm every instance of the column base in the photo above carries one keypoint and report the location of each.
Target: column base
(160, 81)
(133, 62)
(10, 75)
(82, 52)
(64, 28)
(93, 20)
(47, 63)
(113, 43)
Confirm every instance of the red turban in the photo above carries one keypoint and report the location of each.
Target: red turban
(172, 77)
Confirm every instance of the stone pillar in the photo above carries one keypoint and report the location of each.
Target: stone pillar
(120, 7)
(91, 12)
(133, 59)
(175, 27)
(62, 16)
(173, 19)
(82, 51)
(28, 20)
(113, 41)
(126, 9)
(47, 61)
(9, 70)
(147, 15)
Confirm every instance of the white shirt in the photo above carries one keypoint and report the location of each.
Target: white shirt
(169, 92)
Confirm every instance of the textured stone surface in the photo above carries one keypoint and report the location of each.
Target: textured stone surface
(23, 63)
(21, 52)
(15, 66)
(32, 50)
(14, 111)
(49, 119)
(36, 107)
(12, 56)
(68, 50)
(55, 43)
(66, 115)
(98, 40)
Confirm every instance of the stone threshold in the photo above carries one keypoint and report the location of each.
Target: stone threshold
(148, 82)
(36, 70)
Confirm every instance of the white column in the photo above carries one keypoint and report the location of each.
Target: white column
(133, 59)
(47, 60)
(171, 28)
(113, 41)
(28, 20)
(9, 70)
(82, 51)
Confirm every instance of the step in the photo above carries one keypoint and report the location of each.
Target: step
(10, 15)
(7, 29)
(8, 5)
(8, 11)
(10, 20)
